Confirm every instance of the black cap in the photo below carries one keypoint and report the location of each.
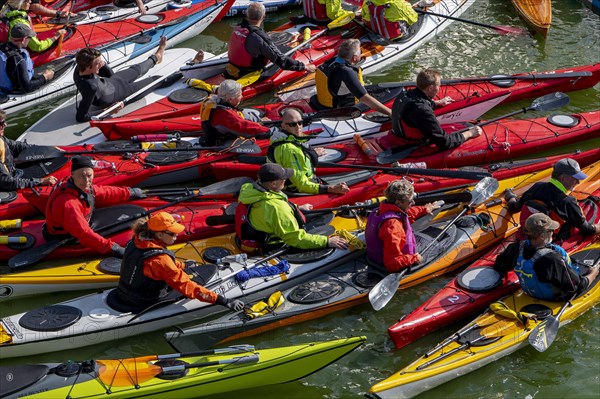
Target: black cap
(272, 171)
(20, 31)
(79, 162)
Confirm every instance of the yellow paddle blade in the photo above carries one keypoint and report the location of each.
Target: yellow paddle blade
(250, 78)
(341, 21)
(200, 84)
(126, 372)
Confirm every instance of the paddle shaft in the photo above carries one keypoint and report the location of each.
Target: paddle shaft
(413, 171)
(532, 76)
(467, 21)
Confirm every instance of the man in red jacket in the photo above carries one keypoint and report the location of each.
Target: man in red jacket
(71, 204)
(222, 119)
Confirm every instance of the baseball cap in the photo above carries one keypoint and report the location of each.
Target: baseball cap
(539, 223)
(162, 221)
(20, 31)
(569, 167)
(272, 171)
(79, 162)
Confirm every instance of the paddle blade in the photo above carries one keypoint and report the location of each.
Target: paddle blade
(484, 190)
(34, 255)
(543, 334)
(510, 30)
(245, 147)
(38, 153)
(337, 114)
(384, 291)
(389, 156)
(550, 102)
(225, 187)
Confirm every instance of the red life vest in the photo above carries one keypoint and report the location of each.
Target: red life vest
(236, 51)
(380, 25)
(67, 189)
(536, 206)
(315, 11)
(399, 128)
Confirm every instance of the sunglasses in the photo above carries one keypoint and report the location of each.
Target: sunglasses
(294, 124)
(3, 123)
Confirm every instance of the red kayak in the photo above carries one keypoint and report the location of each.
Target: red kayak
(475, 288)
(107, 171)
(166, 115)
(501, 140)
(126, 166)
(103, 34)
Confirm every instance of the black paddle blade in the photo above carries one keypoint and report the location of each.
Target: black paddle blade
(544, 334)
(336, 114)
(550, 102)
(38, 153)
(228, 186)
(389, 156)
(34, 255)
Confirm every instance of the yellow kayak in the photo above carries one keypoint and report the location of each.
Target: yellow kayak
(489, 337)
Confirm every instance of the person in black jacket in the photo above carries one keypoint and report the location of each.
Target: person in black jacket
(100, 86)
(9, 149)
(250, 48)
(414, 120)
(551, 198)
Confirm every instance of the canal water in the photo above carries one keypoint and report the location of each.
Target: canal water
(569, 369)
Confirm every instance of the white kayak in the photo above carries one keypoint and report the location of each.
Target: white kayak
(116, 55)
(59, 127)
(92, 319)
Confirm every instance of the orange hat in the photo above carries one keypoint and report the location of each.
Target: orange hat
(162, 221)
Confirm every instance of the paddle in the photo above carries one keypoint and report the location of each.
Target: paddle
(545, 103)
(35, 254)
(503, 30)
(120, 372)
(384, 291)
(544, 334)
(493, 78)
(492, 331)
(413, 171)
(62, 36)
(43, 153)
(338, 114)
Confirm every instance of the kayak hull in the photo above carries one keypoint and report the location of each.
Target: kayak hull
(274, 366)
(536, 13)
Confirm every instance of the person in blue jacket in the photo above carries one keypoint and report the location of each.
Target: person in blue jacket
(544, 269)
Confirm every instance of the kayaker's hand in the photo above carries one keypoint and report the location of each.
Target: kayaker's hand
(310, 68)
(337, 242)
(49, 181)
(59, 33)
(235, 304)
(306, 207)
(340, 188)
(117, 250)
(137, 193)
(475, 131)
(120, 106)
(419, 258)
(48, 74)
(444, 101)
(431, 207)
(593, 274)
(320, 151)
(199, 57)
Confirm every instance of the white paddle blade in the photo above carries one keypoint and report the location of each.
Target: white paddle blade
(484, 190)
(384, 291)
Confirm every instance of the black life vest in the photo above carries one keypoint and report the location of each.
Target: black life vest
(399, 128)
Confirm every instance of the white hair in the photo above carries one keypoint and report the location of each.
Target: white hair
(229, 90)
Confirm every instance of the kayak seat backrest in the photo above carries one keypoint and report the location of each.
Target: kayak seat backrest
(17, 378)
(587, 258)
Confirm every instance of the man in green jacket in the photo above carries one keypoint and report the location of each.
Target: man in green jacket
(290, 149)
(270, 213)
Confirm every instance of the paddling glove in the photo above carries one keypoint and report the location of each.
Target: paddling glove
(235, 304)
(137, 193)
(118, 250)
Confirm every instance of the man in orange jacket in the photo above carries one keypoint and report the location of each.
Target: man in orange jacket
(71, 204)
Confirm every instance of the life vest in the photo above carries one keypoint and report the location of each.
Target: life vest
(536, 206)
(399, 128)
(6, 158)
(375, 244)
(208, 105)
(315, 10)
(240, 60)
(325, 96)
(253, 241)
(134, 287)
(61, 189)
(530, 283)
(7, 52)
(382, 26)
